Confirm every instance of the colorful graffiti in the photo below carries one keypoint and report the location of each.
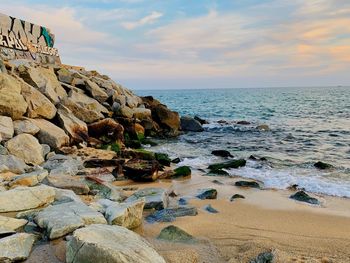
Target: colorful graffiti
(26, 38)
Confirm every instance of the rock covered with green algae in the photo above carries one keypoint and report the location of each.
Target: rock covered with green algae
(175, 234)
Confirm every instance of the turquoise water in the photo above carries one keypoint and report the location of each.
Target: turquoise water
(307, 125)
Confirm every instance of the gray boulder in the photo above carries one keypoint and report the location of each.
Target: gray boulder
(12, 224)
(29, 179)
(68, 182)
(154, 197)
(25, 126)
(16, 247)
(190, 124)
(12, 164)
(62, 219)
(25, 198)
(6, 128)
(60, 165)
(104, 243)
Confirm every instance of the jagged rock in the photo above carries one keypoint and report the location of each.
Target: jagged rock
(61, 219)
(12, 103)
(16, 247)
(222, 153)
(104, 243)
(170, 214)
(27, 148)
(301, 196)
(51, 134)
(60, 165)
(25, 126)
(53, 82)
(25, 198)
(95, 91)
(209, 193)
(141, 170)
(106, 129)
(39, 106)
(174, 234)
(128, 215)
(12, 224)
(64, 75)
(29, 179)
(69, 182)
(126, 112)
(323, 166)
(74, 127)
(251, 184)
(83, 107)
(154, 197)
(190, 124)
(6, 128)
(12, 164)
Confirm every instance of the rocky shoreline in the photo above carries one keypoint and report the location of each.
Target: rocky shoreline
(71, 151)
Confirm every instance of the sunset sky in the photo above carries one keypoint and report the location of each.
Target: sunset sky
(157, 44)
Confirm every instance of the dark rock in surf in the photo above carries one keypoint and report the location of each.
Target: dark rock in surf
(301, 196)
(250, 184)
(323, 166)
(174, 234)
(227, 165)
(170, 214)
(236, 196)
(222, 153)
(190, 124)
(176, 160)
(210, 209)
(163, 159)
(200, 120)
(209, 193)
(141, 170)
(243, 122)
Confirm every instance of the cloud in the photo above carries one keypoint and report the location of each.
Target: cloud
(154, 16)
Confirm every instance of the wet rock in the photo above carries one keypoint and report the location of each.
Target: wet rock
(218, 172)
(29, 179)
(61, 219)
(174, 234)
(12, 103)
(12, 164)
(107, 130)
(190, 124)
(250, 184)
(104, 243)
(95, 91)
(75, 128)
(93, 163)
(183, 201)
(254, 158)
(16, 247)
(163, 159)
(265, 257)
(217, 182)
(209, 193)
(236, 196)
(304, 197)
(263, 127)
(170, 214)
(51, 134)
(105, 189)
(25, 126)
(166, 118)
(200, 120)
(176, 160)
(243, 122)
(222, 153)
(25, 198)
(12, 224)
(39, 106)
(128, 215)
(141, 170)
(154, 197)
(182, 171)
(83, 107)
(138, 154)
(26, 147)
(6, 128)
(227, 165)
(210, 209)
(323, 166)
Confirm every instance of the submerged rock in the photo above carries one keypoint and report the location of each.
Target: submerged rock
(200, 120)
(170, 214)
(222, 153)
(210, 209)
(263, 127)
(250, 184)
(141, 170)
(236, 196)
(323, 166)
(16, 247)
(209, 193)
(154, 197)
(25, 198)
(190, 124)
(175, 234)
(304, 197)
(227, 165)
(104, 243)
(61, 219)
(163, 159)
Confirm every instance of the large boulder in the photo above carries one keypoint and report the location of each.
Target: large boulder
(167, 118)
(85, 108)
(141, 113)
(190, 124)
(95, 91)
(50, 134)
(16, 247)
(74, 127)
(12, 103)
(62, 219)
(25, 126)
(25, 198)
(27, 148)
(39, 106)
(6, 128)
(76, 184)
(141, 170)
(12, 164)
(107, 129)
(63, 165)
(104, 243)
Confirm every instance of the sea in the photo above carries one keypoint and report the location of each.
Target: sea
(306, 125)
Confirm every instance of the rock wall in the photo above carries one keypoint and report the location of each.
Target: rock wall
(24, 40)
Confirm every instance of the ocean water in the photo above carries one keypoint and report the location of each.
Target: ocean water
(306, 125)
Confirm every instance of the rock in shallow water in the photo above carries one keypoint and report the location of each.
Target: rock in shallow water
(210, 209)
(175, 234)
(236, 196)
(141, 170)
(222, 153)
(114, 244)
(190, 124)
(16, 247)
(170, 214)
(247, 184)
(323, 166)
(227, 165)
(209, 193)
(304, 197)
(154, 197)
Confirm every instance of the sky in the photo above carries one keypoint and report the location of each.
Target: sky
(186, 44)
